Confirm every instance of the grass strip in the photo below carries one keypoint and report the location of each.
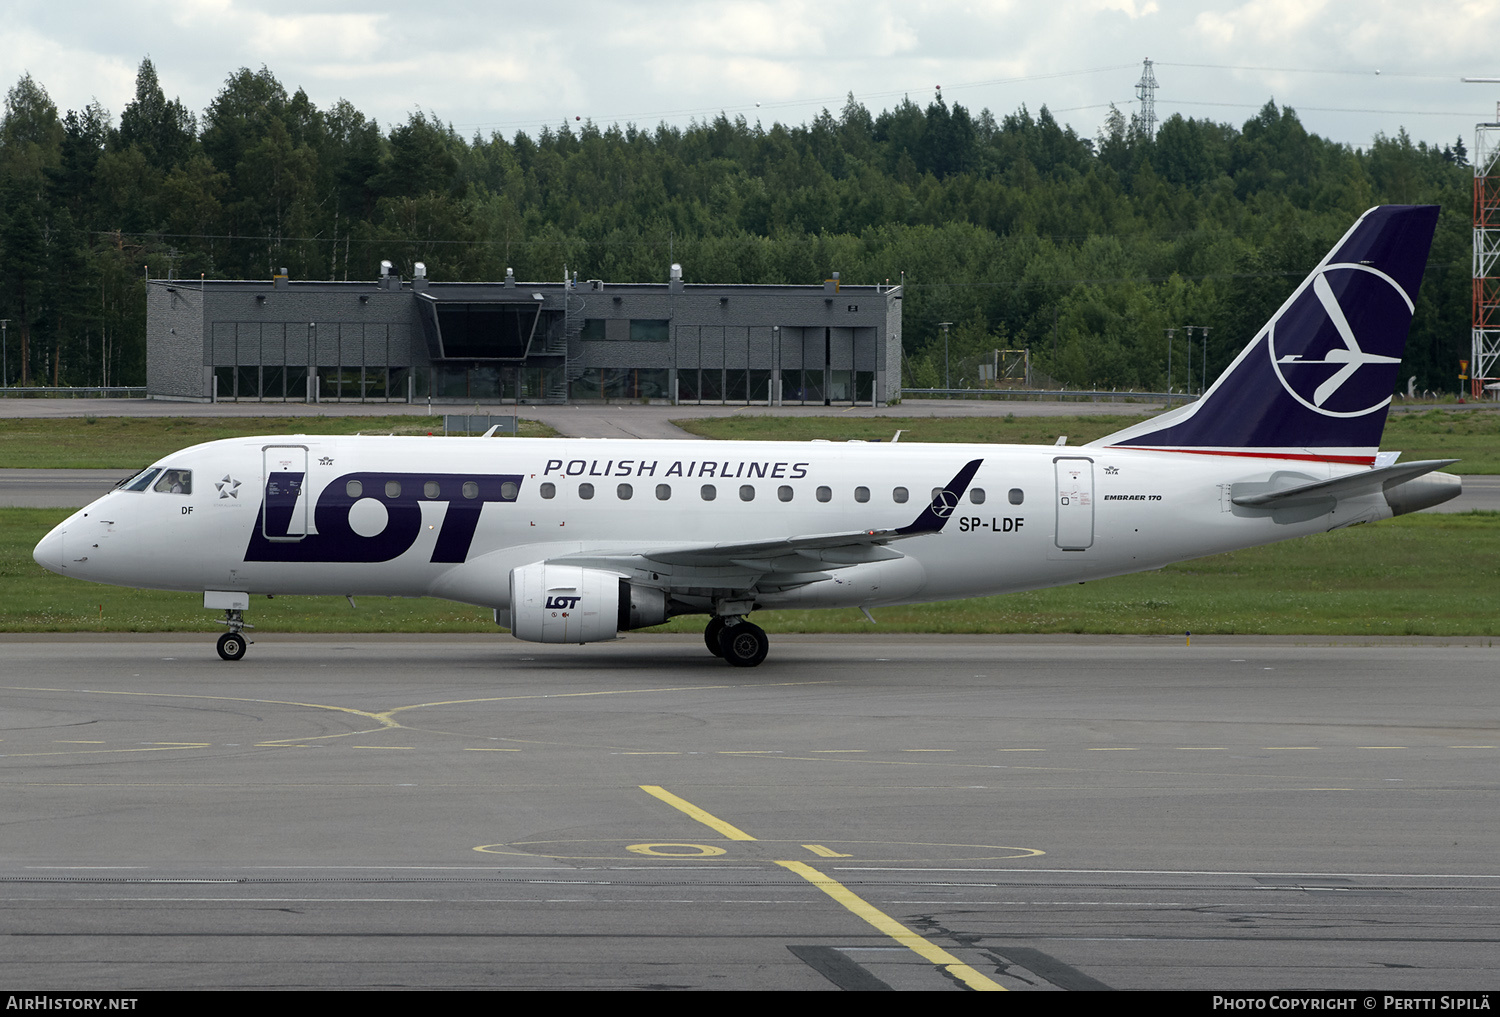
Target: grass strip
(129, 443)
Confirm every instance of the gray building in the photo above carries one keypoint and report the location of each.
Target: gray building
(398, 340)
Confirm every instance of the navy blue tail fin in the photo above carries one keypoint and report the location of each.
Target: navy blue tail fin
(1316, 381)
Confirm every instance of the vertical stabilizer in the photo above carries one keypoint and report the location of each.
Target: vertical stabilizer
(1316, 381)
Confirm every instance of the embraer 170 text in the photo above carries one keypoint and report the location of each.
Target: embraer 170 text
(573, 541)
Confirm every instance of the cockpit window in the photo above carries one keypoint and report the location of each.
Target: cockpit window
(175, 482)
(141, 480)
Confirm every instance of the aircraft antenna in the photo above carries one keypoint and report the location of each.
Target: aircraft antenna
(1145, 91)
(1485, 350)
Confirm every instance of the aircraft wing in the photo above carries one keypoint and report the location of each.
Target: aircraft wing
(777, 563)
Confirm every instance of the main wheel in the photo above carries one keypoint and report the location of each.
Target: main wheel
(743, 645)
(232, 646)
(711, 635)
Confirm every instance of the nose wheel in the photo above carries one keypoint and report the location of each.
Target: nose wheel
(232, 645)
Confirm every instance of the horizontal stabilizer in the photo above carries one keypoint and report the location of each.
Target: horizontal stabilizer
(1382, 479)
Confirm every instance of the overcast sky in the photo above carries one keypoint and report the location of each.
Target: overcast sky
(1351, 68)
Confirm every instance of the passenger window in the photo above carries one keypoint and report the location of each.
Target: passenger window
(747, 492)
(784, 492)
(825, 494)
(976, 495)
(935, 492)
(663, 492)
(508, 490)
(549, 490)
(899, 496)
(1017, 496)
(709, 493)
(861, 494)
(354, 489)
(393, 488)
(431, 489)
(625, 491)
(585, 491)
(175, 482)
(471, 489)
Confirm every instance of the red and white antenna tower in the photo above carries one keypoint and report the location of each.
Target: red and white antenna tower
(1484, 363)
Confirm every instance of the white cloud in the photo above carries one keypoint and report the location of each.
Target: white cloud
(507, 65)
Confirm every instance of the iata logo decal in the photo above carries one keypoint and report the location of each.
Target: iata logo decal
(374, 517)
(1355, 319)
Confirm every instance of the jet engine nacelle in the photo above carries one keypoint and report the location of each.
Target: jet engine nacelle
(569, 604)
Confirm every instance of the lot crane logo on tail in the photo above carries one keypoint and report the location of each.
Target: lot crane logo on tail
(1320, 382)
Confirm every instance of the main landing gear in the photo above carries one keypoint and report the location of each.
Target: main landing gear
(739, 642)
(232, 644)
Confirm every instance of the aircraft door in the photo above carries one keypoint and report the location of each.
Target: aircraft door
(284, 518)
(1075, 502)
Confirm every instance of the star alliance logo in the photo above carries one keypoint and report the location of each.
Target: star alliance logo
(1383, 312)
(227, 488)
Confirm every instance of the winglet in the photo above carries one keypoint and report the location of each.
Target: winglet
(943, 503)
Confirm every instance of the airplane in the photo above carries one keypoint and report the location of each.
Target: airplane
(578, 540)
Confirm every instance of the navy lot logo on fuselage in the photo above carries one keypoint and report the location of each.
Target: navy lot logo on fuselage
(387, 506)
(944, 503)
(1354, 320)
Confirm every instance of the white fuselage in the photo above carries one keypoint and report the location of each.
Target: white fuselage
(397, 516)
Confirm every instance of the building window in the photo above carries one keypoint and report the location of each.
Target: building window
(650, 330)
(593, 330)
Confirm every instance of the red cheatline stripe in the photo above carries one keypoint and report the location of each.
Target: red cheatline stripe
(1303, 457)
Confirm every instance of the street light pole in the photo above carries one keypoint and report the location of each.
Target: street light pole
(4, 352)
(947, 378)
(1170, 333)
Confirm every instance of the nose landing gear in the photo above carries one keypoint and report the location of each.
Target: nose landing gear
(232, 644)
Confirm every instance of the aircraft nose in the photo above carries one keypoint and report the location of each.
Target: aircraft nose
(49, 550)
